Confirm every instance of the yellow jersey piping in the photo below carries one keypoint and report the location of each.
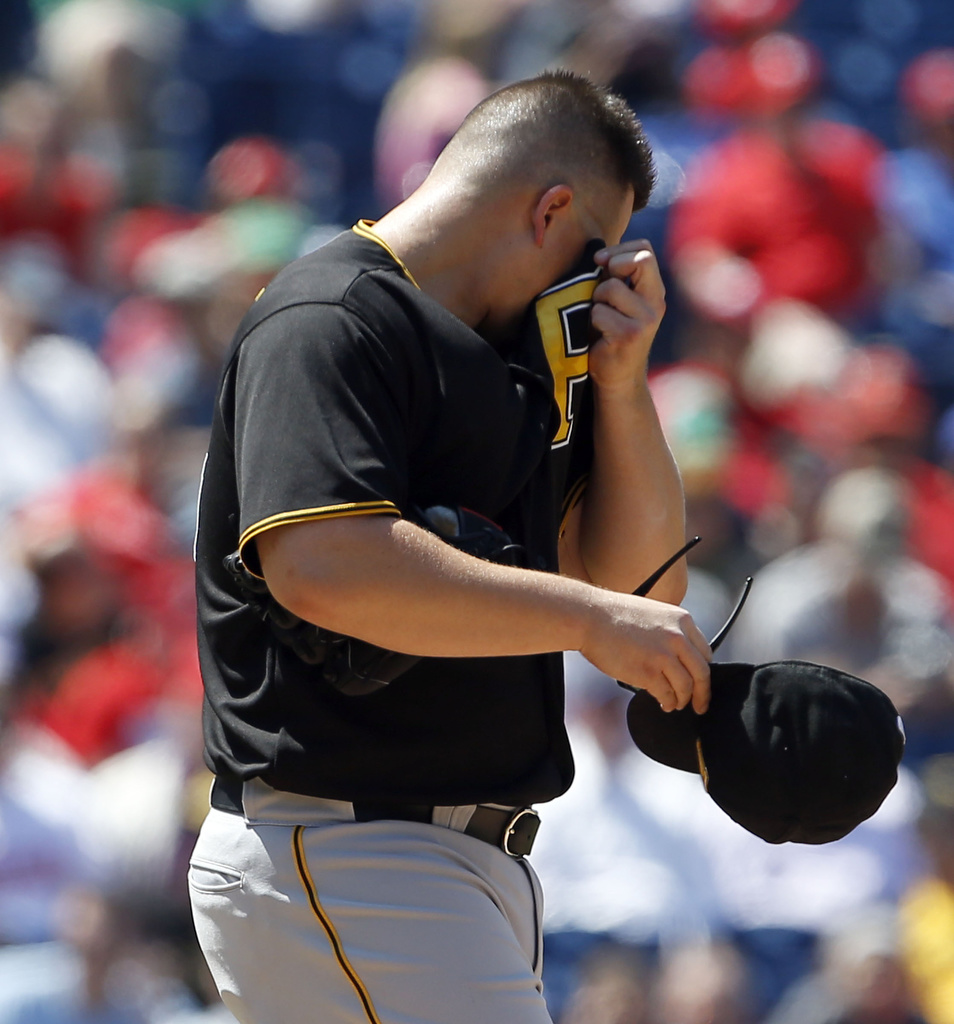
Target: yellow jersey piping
(571, 501)
(337, 948)
(305, 515)
(365, 229)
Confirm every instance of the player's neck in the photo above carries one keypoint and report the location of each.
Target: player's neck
(444, 245)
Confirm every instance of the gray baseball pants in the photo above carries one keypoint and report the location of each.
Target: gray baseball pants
(308, 917)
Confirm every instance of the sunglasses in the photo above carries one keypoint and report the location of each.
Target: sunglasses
(643, 589)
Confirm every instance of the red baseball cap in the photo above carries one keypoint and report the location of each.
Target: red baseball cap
(927, 85)
(735, 18)
(250, 167)
(767, 75)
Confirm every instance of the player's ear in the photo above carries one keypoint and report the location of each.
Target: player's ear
(549, 206)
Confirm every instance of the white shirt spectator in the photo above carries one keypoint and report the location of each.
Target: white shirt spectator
(55, 411)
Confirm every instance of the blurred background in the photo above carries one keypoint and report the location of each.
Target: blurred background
(161, 159)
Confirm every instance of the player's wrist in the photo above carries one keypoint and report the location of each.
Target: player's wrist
(597, 616)
(625, 412)
(625, 390)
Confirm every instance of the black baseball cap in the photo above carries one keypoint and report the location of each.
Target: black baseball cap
(792, 751)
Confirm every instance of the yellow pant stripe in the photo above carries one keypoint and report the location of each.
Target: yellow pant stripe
(312, 893)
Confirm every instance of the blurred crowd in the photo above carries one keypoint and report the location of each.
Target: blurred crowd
(161, 159)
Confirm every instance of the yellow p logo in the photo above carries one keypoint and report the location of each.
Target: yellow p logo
(567, 350)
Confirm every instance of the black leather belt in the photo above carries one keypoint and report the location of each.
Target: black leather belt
(511, 829)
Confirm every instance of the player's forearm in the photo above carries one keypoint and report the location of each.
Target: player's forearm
(396, 585)
(633, 514)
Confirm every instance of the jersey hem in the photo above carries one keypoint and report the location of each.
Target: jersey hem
(306, 515)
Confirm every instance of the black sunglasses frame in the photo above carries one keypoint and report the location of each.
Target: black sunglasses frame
(643, 589)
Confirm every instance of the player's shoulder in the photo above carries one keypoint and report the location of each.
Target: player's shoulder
(349, 280)
(350, 277)
(329, 273)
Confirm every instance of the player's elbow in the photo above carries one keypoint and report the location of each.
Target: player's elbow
(612, 575)
(303, 592)
(319, 570)
(673, 586)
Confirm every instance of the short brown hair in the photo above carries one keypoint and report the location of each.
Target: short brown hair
(561, 126)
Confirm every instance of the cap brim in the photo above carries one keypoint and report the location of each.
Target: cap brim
(670, 737)
(666, 737)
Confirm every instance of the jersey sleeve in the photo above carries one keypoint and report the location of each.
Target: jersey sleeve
(320, 421)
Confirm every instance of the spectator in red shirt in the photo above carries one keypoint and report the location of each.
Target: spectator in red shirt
(47, 190)
(784, 206)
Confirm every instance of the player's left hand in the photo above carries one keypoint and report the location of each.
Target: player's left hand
(628, 306)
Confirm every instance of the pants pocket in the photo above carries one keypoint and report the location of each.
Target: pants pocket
(206, 876)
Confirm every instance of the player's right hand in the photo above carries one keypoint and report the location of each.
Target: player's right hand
(652, 646)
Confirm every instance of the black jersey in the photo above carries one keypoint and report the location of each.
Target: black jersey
(349, 391)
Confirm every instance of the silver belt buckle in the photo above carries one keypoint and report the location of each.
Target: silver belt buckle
(520, 832)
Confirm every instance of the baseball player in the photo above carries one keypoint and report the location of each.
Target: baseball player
(423, 484)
